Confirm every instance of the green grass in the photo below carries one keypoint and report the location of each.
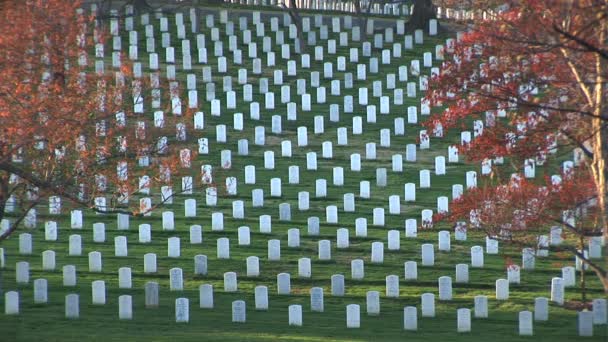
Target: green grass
(100, 323)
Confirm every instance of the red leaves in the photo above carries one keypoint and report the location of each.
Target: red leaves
(522, 205)
(45, 106)
(530, 77)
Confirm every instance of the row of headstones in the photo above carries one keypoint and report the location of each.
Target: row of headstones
(361, 74)
(307, 25)
(176, 279)
(321, 189)
(302, 141)
(399, 127)
(291, 113)
(302, 88)
(100, 51)
(265, 226)
(312, 162)
(306, 99)
(395, 9)
(304, 265)
(55, 202)
(356, 161)
(274, 254)
(386, 9)
(294, 178)
(305, 63)
(292, 110)
(395, 51)
(217, 224)
(75, 246)
(275, 185)
(586, 319)
(349, 78)
(99, 233)
(311, 157)
(22, 268)
(274, 250)
(379, 39)
(342, 240)
(413, 61)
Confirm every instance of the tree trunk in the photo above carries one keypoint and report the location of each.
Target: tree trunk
(583, 266)
(599, 124)
(423, 11)
(1, 283)
(363, 23)
(141, 6)
(294, 13)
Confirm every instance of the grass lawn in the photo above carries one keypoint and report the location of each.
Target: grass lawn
(46, 322)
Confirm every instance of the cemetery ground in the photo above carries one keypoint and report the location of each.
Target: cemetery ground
(47, 321)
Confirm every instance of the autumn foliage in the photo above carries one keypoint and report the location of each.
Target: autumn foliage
(69, 122)
(532, 75)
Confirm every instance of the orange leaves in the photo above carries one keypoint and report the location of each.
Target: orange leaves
(523, 76)
(45, 107)
(522, 206)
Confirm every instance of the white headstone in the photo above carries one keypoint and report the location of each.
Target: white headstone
(95, 263)
(274, 250)
(182, 310)
(176, 279)
(373, 303)
(120, 246)
(261, 297)
(600, 308)
(410, 318)
(293, 237)
(502, 289)
(11, 303)
(585, 323)
(283, 284)
(462, 273)
(528, 258)
(444, 240)
(428, 305)
(41, 291)
(513, 274)
(230, 282)
(481, 306)
(557, 290)
(357, 270)
(377, 252)
(477, 256)
(223, 248)
(353, 319)
(445, 288)
(392, 286)
(569, 276)
(428, 255)
(324, 250)
(463, 320)
(304, 268)
(98, 292)
(541, 309)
